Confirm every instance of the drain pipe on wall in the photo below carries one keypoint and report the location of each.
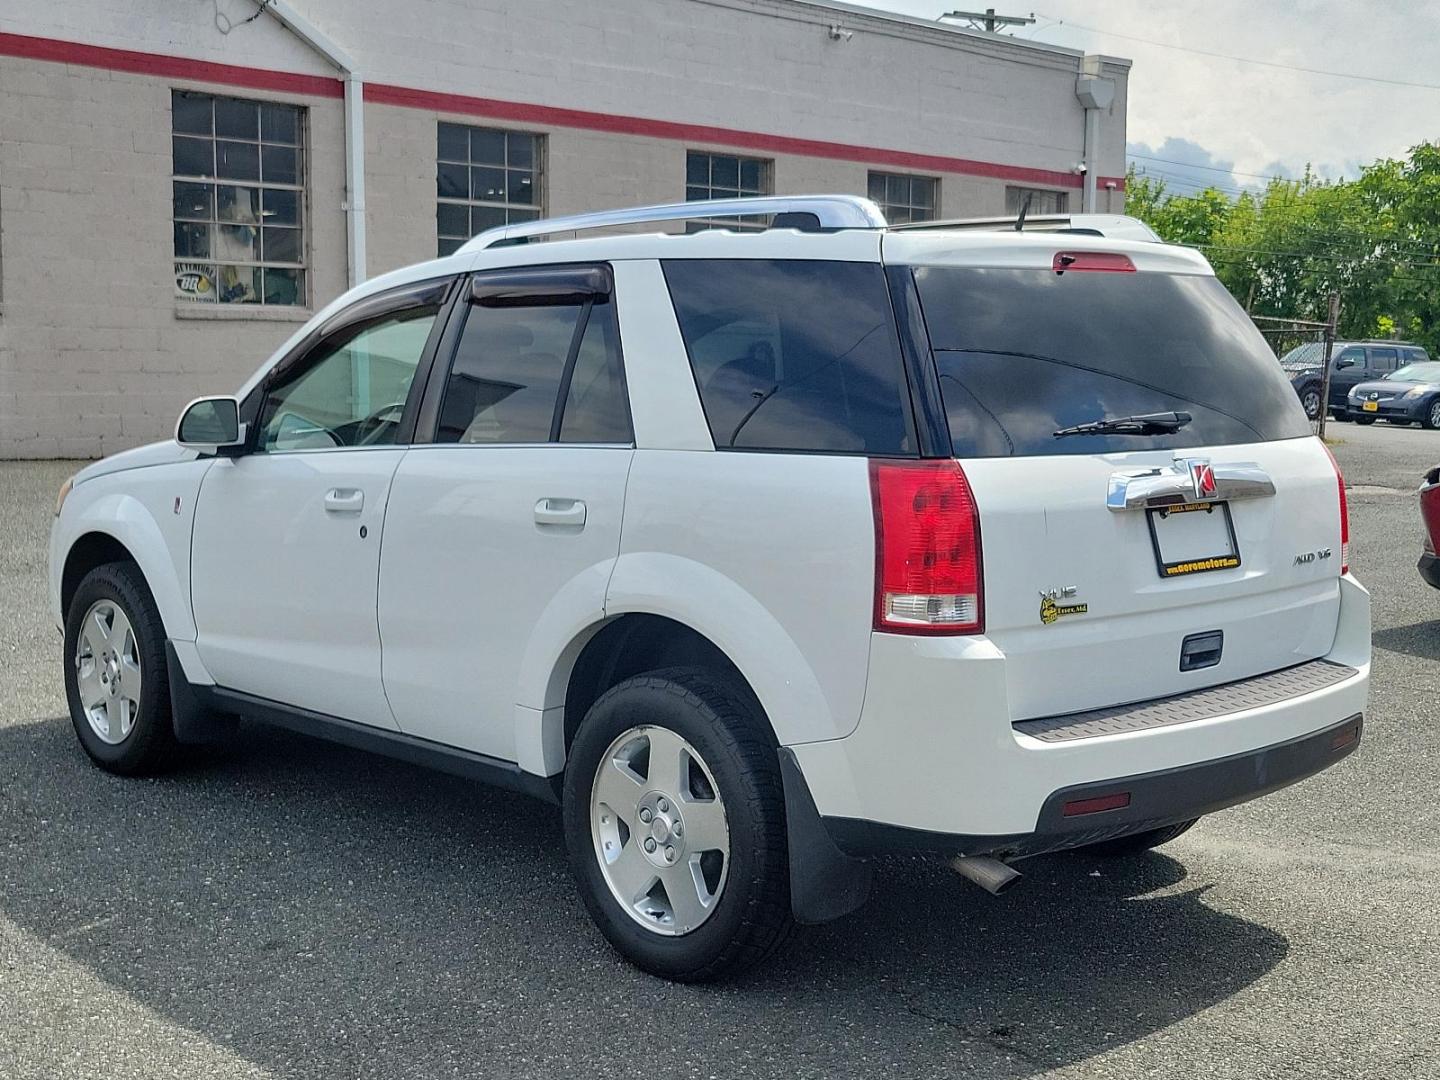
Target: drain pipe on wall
(354, 205)
(1095, 94)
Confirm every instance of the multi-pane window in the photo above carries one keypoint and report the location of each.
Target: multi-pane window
(1042, 201)
(239, 194)
(905, 198)
(484, 177)
(724, 176)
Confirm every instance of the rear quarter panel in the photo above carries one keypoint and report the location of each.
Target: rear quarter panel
(771, 557)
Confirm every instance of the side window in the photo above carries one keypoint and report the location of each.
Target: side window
(529, 373)
(1384, 360)
(1355, 357)
(793, 355)
(351, 391)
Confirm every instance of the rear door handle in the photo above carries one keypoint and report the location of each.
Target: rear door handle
(560, 512)
(344, 500)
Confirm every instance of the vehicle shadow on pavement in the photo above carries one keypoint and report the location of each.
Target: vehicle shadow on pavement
(324, 912)
(1420, 639)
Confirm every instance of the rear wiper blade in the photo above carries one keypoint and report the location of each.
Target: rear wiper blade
(1160, 423)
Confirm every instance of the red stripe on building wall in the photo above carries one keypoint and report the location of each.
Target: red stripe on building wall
(170, 67)
(520, 113)
(179, 67)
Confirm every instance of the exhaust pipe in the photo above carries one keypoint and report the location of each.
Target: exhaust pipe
(990, 874)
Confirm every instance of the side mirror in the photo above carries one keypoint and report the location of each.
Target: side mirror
(211, 424)
(1344, 362)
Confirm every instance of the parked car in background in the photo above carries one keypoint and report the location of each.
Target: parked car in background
(1410, 396)
(1351, 363)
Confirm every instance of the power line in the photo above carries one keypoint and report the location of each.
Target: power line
(1250, 59)
(1212, 168)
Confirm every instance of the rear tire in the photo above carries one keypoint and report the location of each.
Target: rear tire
(718, 822)
(117, 681)
(1138, 842)
(1310, 402)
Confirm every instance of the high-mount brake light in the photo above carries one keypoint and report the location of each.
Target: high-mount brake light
(1344, 515)
(1104, 261)
(927, 549)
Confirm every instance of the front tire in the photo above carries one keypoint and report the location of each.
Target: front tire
(1431, 420)
(675, 826)
(116, 677)
(1138, 843)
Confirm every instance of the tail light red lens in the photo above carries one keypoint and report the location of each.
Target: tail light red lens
(1344, 516)
(927, 549)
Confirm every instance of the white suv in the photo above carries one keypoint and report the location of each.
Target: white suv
(761, 552)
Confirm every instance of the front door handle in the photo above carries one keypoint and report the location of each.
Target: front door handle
(560, 512)
(344, 500)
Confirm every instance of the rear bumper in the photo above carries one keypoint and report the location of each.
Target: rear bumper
(1155, 799)
(936, 759)
(1429, 567)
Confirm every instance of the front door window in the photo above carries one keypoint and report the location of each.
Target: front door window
(352, 390)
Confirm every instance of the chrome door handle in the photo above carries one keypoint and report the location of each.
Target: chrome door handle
(344, 500)
(560, 512)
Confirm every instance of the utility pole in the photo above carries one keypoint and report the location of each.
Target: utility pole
(1331, 319)
(987, 20)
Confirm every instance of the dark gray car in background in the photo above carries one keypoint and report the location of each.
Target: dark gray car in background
(1351, 363)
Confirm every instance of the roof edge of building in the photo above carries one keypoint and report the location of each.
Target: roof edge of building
(857, 16)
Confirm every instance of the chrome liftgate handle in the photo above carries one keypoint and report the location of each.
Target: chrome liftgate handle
(1188, 480)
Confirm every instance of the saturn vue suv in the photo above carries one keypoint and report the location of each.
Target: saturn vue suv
(760, 553)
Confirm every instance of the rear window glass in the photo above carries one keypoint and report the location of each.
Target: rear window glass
(793, 354)
(1024, 353)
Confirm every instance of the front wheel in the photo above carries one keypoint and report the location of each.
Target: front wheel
(1138, 842)
(116, 678)
(675, 826)
(1431, 419)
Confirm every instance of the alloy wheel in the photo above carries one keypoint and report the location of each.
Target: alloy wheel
(107, 672)
(660, 831)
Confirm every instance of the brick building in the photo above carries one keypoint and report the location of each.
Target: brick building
(183, 181)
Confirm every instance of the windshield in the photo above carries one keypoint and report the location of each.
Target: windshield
(1425, 372)
(1022, 354)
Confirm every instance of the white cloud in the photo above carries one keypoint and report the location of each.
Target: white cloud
(1260, 119)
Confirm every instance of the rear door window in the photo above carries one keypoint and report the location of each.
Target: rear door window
(1384, 361)
(794, 354)
(1022, 354)
(534, 370)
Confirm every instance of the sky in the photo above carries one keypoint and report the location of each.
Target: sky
(1196, 119)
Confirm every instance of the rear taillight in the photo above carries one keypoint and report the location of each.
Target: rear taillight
(1344, 516)
(927, 549)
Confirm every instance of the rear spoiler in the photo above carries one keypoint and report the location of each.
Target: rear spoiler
(1114, 226)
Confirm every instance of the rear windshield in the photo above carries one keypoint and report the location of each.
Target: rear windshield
(1024, 353)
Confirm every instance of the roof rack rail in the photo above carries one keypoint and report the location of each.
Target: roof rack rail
(826, 212)
(1115, 226)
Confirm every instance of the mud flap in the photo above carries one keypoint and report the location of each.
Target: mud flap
(195, 722)
(825, 883)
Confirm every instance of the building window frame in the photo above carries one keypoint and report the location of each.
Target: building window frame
(482, 205)
(263, 184)
(750, 177)
(905, 197)
(1046, 201)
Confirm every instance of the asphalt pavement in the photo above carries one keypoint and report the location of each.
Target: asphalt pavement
(293, 909)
